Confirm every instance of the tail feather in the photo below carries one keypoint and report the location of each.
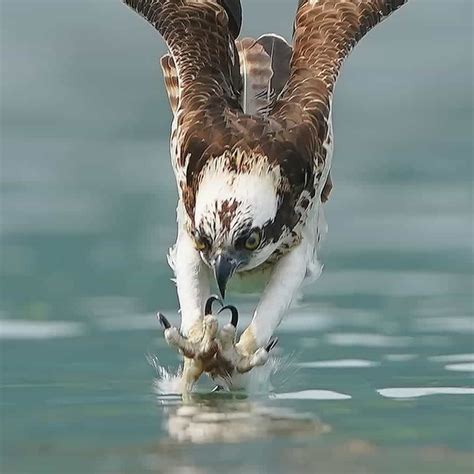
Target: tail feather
(256, 72)
(280, 53)
(265, 68)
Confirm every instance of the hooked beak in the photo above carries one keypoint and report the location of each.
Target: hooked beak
(224, 268)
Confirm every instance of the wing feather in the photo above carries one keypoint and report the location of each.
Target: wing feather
(170, 76)
(325, 32)
(256, 72)
(210, 122)
(280, 53)
(199, 35)
(265, 69)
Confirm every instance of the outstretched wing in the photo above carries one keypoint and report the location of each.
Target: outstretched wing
(325, 32)
(203, 64)
(200, 36)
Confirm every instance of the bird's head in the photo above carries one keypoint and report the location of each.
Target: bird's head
(234, 218)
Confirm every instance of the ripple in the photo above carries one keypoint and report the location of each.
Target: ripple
(23, 329)
(415, 392)
(453, 358)
(305, 321)
(400, 357)
(367, 340)
(339, 364)
(466, 367)
(312, 395)
(459, 324)
(130, 322)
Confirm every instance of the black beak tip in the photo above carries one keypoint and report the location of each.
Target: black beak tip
(222, 291)
(224, 268)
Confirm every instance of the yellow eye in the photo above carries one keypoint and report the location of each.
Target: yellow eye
(253, 240)
(200, 245)
(200, 242)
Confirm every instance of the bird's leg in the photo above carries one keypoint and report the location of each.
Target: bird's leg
(256, 341)
(198, 347)
(228, 358)
(196, 336)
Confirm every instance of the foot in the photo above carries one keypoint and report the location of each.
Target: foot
(206, 350)
(199, 347)
(238, 357)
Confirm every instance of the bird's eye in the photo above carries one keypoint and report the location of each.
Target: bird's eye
(200, 242)
(253, 240)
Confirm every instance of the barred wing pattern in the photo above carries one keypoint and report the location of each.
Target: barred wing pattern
(295, 132)
(325, 32)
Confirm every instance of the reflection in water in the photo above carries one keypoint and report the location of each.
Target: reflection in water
(230, 419)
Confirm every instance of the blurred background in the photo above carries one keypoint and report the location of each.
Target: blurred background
(382, 342)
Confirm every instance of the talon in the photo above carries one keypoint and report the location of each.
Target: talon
(217, 388)
(210, 301)
(235, 314)
(165, 324)
(271, 344)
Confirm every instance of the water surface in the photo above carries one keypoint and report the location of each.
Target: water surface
(375, 360)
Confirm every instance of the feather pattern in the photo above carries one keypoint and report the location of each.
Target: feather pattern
(325, 32)
(170, 76)
(295, 137)
(256, 71)
(265, 69)
(280, 53)
(252, 145)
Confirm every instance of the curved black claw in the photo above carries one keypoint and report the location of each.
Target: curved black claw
(233, 311)
(271, 344)
(217, 388)
(210, 301)
(165, 324)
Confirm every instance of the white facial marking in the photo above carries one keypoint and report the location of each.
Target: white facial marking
(255, 191)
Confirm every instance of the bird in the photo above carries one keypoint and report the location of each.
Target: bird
(251, 149)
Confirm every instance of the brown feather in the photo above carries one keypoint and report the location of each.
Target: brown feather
(210, 121)
(170, 76)
(256, 72)
(280, 53)
(325, 32)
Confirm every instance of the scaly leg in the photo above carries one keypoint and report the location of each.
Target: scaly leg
(199, 347)
(229, 358)
(256, 341)
(196, 338)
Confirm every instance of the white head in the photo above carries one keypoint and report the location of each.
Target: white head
(234, 211)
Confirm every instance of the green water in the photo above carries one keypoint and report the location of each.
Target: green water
(87, 217)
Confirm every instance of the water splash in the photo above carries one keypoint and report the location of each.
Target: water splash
(167, 379)
(259, 381)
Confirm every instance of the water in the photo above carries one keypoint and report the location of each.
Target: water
(375, 361)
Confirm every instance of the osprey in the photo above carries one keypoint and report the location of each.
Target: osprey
(251, 148)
